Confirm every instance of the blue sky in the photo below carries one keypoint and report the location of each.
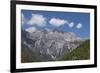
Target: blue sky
(79, 23)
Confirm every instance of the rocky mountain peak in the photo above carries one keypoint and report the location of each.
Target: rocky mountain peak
(50, 45)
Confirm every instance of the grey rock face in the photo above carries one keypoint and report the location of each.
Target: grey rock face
(50, 45)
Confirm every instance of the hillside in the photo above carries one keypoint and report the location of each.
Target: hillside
(27, 55)
(80, 53)
(44, 45)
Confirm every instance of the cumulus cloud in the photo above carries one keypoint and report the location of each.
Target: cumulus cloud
(47, 29)
(38, 20)
(31, 29)
(79, 25)
(41, 21)
(57, 22)
(22, 19)
(71, 24)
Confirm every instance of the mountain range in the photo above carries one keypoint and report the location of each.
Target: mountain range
(47, 45)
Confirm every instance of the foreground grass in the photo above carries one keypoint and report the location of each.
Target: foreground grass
(80, 53)
(26, 56)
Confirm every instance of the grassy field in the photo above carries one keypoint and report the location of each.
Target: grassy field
(80, 53)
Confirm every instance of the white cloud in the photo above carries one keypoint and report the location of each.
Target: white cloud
(22, 18)
(79, 25)
(38, 20)
(57, 22)
(71, 24)
(47, 29)
(31, 29)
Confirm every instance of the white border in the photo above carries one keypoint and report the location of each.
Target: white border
(20, 65)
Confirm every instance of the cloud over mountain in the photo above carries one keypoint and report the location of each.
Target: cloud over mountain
(71, 24)
(57, 22)
(22, 18)
(79, 25)
(38, 20)
(31, 29)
